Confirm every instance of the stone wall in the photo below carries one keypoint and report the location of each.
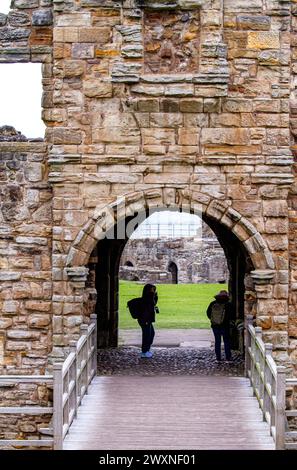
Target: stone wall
(25, 254)
(216, 135)
(198, 260)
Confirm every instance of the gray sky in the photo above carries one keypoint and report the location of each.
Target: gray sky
(20, 94)
(20, 98)
(4, 6)
(185, 224)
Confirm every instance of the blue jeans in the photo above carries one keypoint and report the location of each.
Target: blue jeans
(148, 334)
(219, 332)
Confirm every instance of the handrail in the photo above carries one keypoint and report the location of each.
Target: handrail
(72, 379)
(269, 384)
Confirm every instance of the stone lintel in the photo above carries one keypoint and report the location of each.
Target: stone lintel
(170, 4)
(262, 276)
(77, 273)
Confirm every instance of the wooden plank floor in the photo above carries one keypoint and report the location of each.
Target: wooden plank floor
(176, 412)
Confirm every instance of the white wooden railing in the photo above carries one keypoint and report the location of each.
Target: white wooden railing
(70, 381)
(291, 436)
(269, 384)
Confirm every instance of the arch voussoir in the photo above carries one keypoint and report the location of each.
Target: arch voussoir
(221, 211)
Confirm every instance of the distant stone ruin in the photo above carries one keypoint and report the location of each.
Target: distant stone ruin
(183, 260)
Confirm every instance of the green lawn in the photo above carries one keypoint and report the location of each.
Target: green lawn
(181, 305)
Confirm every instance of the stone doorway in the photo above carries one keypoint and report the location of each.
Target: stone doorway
(172, 268)
(104, 271)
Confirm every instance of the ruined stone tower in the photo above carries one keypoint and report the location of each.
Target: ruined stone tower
(157, 103)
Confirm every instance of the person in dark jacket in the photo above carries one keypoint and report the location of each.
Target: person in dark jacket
(220, 313)
(147, 318)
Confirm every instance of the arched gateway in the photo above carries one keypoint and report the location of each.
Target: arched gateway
(182, 104)
(96, 251)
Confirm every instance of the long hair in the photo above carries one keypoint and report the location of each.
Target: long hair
(147, 291)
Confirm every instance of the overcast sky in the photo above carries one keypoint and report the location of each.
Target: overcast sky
(4, 6)
(20, 94)
(171, 223)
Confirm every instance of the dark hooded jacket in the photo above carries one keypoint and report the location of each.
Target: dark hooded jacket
(229, 314)
(150, 299)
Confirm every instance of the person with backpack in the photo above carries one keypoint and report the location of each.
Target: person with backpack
(144, 309)
(220, 313)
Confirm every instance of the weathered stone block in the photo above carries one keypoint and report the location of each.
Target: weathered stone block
(94, 34)
(191, 105)
(225, 136)
(273, 307)
(225, 120)
(188, 136)
(276, 225)
(95, 88)
(34, 172)
(42, 18)
(72, 321)
(239, 5)
(74, 19)
(179, 90)
(18, 345)
(132, 51)
(11, 306)
(116, 136)
(169, 105)
(230, 105)
(61, 135)
(158, 136)
(264, 322)
(22, 334)
(31, 241)
(148, 105)
(73, 68)
(9, 276)
(263, 40)
(211, 105)
(253, 22)
(83, 51)
(166, 120)
(39, 321)
(39, 305)
(5, 323)
(14, 34)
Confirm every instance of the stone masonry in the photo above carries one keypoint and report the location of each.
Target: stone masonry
(197, 260)
(161, 103)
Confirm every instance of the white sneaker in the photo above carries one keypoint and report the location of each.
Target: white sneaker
(147, 354)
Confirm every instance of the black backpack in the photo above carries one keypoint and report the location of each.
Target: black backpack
(217, 316)
(135, 307)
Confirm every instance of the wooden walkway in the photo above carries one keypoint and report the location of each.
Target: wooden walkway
(176, 412)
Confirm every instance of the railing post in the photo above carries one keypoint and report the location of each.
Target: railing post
(280, 411)
(84, 376)
(249, 321)
(258, 333)
(73, 349)
(95, 356)
(58, 420)
(267, 380)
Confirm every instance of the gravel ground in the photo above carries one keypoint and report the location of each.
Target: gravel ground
(166, 361)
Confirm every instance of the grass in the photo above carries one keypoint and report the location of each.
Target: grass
(181, 305)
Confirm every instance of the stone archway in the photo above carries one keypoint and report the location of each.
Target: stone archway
(213, 210)
(173, 269)
(250, 261)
